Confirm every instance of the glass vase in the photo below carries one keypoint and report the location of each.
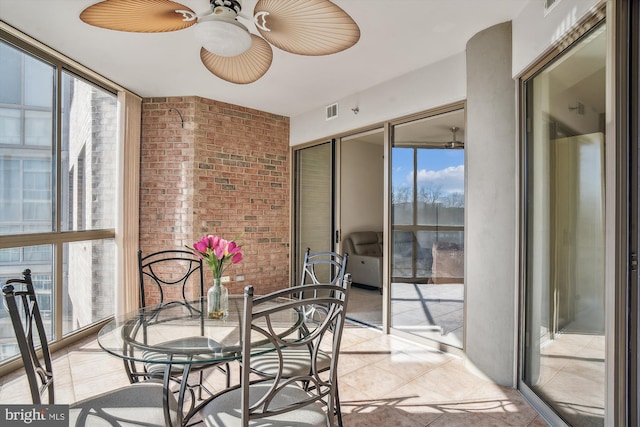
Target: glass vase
(218, 300)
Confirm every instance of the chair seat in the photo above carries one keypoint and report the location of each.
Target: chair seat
(187, 343)
(224, 408)
(135, 405)
(297, 361)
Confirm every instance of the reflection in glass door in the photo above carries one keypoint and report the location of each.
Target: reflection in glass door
(427, 227)
(564, 334)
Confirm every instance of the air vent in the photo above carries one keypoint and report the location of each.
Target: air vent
(332, 111)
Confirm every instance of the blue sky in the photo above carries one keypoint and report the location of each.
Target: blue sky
(437, 168)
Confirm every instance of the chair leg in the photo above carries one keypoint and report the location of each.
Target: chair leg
(228, 371)
(200, 385)
(337, 408)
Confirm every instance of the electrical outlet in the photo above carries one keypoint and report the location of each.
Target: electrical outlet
(240, 278)
(225, 279)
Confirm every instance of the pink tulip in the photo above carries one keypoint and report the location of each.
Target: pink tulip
(232, 248)
(213, 241)
(200, 246)
(216, 252)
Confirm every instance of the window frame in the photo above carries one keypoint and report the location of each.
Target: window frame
(58, 238)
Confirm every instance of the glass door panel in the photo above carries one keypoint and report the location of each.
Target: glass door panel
(314, 228)
(427, 226)
(564, 353)
(402, 196)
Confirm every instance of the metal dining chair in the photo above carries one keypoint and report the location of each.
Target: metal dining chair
(166, 278)
(320, 268)
(136, 404)
(278, 399)
(323, 267)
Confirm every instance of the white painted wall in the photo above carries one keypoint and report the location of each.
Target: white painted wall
(429, 87)
(491, 202)
(362, 187)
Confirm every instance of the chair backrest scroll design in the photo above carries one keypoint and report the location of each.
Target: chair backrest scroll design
(170, 275)
(260, 323)
(40, 377)
(322, 268)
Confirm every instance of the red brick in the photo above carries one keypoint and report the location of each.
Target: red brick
(227, 173)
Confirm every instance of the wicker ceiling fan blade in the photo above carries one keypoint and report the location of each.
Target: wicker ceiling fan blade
(244, 68)
(140, 16)
(306, 27)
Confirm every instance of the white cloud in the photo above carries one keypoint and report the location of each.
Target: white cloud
(448, 180)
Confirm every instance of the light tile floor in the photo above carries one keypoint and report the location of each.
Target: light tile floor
(434, 312)
(571, 377)
(384, 381)
(430, 311)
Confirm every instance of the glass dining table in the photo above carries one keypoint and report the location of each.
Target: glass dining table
(176, 335)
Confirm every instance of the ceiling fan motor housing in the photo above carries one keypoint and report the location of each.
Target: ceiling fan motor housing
(220, 32)
(236, 5)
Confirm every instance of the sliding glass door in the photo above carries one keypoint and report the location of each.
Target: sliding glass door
(340, 192)
(427, 227)
(564, 289)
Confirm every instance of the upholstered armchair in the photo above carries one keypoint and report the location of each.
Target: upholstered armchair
(365, 257)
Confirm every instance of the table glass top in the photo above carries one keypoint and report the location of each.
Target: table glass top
(180, 334)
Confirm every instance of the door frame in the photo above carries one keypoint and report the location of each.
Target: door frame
(626, 342)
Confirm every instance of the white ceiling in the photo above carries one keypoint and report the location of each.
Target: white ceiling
(397, 36)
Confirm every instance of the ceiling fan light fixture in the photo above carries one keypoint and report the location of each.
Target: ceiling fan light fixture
(228, 50)
(221, 34)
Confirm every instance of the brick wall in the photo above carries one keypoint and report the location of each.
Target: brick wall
(226, 172)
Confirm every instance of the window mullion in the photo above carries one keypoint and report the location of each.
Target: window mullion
(57, 192)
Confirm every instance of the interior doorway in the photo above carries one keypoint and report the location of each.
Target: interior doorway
(361, 222)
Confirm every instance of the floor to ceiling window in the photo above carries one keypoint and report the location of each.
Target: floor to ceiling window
(564, 289)
(58, 157)
(427, 226)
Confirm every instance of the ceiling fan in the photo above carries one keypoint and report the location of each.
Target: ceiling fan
(229, 50)
(415, 138)
(454, 143)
